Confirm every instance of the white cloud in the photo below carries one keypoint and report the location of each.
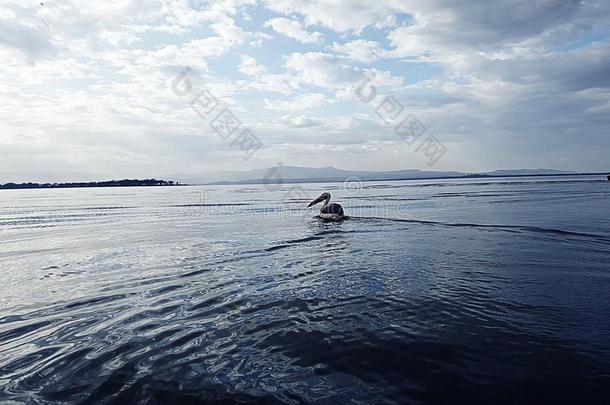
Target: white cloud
(250, 67)
(334, 74)
(322, 69)
(341, 16)
(360, 50)
(303, 102)
(86, 85)
(301, 121)
(295, 30)
(276, 83)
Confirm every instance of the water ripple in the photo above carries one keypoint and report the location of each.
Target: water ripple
(487, 295)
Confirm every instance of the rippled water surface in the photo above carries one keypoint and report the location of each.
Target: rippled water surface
(447, 291)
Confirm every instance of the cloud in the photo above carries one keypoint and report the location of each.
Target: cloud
(250, 67)
(439, 30)
(33, 43)
(331, 72)
(340, 16)
(301, 121)
(360, 50)
(321, 69)
(276, 83)
(303, 102)
(295, 30)
(505, 83)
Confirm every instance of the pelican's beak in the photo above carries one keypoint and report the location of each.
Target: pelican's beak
(317, 200)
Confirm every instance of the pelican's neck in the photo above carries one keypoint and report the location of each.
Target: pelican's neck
(327, 200)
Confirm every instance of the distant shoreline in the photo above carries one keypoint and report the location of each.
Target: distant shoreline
(165, 183)
(469, 176)
(110, 183)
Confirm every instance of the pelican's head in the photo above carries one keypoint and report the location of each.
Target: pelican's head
(324, 196)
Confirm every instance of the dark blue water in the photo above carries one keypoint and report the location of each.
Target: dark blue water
(494, 290)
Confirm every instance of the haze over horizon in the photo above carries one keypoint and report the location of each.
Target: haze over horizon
(87, 90)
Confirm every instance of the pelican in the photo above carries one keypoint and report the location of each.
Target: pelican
(330, 211)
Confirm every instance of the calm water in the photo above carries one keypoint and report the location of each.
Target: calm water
(493, 290)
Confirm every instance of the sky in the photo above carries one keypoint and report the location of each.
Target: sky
(93, 90)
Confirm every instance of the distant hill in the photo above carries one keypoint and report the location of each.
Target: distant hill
(528, 172)
(297, 174)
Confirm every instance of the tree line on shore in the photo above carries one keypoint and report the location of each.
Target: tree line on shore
(110, 183)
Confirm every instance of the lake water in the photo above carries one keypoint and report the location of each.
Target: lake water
(446, 291)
